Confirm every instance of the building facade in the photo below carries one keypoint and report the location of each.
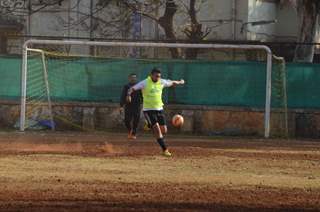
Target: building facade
(232, 20)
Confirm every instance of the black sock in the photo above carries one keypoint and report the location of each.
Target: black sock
(162, 144)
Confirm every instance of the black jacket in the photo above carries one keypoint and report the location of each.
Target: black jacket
(136, 98)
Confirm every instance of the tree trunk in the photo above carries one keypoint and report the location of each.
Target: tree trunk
(309, 14)
(195, 33)
(166, 22)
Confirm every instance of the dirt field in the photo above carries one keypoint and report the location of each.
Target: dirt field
(105, 172)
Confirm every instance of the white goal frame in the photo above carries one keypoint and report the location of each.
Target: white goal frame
(46, 82)
(25, 49)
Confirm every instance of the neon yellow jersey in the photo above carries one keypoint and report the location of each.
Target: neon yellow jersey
(152, 94)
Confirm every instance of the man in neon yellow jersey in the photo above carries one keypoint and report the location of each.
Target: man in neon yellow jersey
(152, 104)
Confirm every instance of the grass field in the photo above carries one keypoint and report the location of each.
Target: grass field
(105, 172)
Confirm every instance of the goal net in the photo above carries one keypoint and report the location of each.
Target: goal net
(66, 84)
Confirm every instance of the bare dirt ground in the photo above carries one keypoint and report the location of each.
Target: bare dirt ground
(105, 172)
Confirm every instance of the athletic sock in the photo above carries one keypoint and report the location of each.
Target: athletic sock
(162, 144)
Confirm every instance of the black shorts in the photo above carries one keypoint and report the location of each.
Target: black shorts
(154, 116)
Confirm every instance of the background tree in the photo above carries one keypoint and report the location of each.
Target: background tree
(308, 12)
(110, 25)
(193, 30)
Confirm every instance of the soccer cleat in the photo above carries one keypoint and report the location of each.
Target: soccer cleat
(166, 153)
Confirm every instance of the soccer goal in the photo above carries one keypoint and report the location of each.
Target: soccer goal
(60, 73)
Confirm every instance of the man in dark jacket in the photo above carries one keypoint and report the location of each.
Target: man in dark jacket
(133, 109)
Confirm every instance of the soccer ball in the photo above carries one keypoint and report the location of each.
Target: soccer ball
(177, 120)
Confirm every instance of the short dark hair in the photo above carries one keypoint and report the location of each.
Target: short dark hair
(132, 74)
(155, 71)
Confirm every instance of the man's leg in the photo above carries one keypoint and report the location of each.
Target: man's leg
(127, 121)
(163, 129)
(151, 117)
(136, 119)
(160, 139)
(162, 122)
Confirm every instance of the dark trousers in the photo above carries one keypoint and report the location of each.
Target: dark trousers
(131, 119)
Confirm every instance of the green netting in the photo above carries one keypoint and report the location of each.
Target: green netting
(10, 78)
(35, 75)
(303, 83)
(208, 83)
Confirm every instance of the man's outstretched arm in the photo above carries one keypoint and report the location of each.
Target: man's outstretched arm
(171, 83)
(180, 82)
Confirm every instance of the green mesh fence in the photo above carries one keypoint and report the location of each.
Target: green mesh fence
(303, 82)
(10, 69)
(208, 83)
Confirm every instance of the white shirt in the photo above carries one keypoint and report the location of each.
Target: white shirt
(141, 85)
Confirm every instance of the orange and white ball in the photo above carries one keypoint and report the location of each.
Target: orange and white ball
(177, 120)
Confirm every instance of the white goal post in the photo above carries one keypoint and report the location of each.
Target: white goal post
(27, 44)
(44, 76)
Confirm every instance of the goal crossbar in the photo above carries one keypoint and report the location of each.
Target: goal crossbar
(268, 51)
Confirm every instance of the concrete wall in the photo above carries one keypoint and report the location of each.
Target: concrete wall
(287, 27)
(198, 120)
(224, 18)
(259, 11)
(216, 14)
